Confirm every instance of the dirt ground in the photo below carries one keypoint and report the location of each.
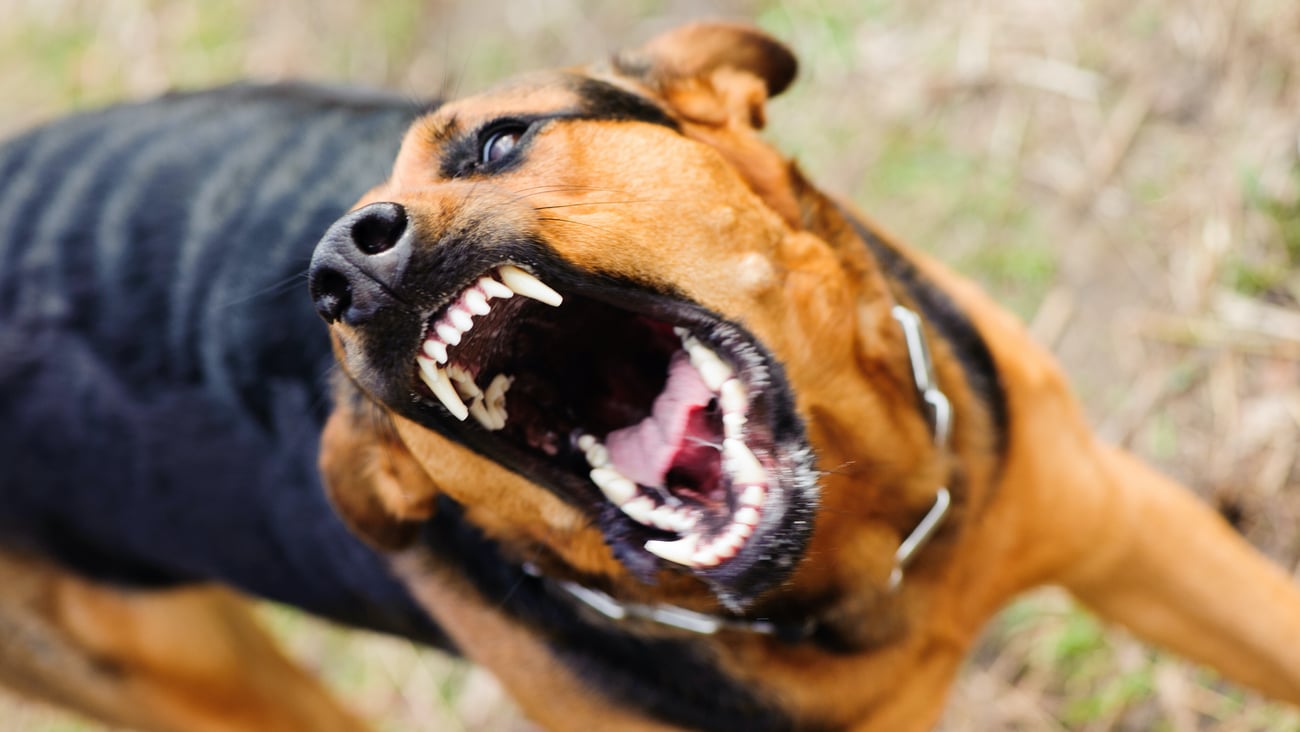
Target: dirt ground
(1122, 173)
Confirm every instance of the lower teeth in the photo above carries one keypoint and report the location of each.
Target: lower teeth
(691, 549)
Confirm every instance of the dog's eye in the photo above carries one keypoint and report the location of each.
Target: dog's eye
(500, 144)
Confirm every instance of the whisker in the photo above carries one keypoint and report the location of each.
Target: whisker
(589, 203)
(535, 190)
(274, 288)
(571, 221)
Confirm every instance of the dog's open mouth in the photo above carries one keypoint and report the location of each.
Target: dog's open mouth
(671, 424)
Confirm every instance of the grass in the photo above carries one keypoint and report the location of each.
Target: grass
(1088, 153)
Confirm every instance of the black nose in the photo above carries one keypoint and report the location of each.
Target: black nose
(359, 262)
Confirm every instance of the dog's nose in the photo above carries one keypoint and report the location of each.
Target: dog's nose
(358, 263)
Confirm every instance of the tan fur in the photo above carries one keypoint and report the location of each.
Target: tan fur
(191, 660)
(719, 215)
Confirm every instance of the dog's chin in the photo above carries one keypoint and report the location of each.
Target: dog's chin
(671, 427)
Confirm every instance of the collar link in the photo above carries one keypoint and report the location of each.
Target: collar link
(941, 420)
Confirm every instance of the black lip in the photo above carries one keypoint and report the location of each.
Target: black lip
(775, 548)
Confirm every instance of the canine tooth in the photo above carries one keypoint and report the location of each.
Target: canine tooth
(460, 319)
(677, 552)
(475, 302)
(436, 350)
(526, 284)
(732, 397)
(585, 442)
(492, 288)
(639, 509)
(706, 557)
(747, 516)
(712, 369)
(682, 333)
(598, 456)
(441, 387)
(753, 496)
(482, 416)
(448, 333)
(741, 463)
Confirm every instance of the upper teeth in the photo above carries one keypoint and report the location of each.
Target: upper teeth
(454, 384)
(527, 285)
(713, 370)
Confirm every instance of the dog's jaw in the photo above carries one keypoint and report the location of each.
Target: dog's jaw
(671, 428)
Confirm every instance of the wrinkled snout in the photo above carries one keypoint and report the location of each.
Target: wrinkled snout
(358, 262)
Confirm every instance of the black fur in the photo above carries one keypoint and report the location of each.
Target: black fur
(675, 681)
(162, 372)
(602, 100)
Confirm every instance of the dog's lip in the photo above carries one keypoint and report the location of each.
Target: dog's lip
(766, 459)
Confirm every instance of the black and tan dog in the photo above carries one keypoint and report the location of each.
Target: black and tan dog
(646, 424)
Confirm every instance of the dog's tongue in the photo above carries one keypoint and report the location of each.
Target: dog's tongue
(644, 452)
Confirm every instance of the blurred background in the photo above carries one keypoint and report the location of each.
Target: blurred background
(1121, 173)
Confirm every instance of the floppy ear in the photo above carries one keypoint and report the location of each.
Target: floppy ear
(375, 484)
(713, 73)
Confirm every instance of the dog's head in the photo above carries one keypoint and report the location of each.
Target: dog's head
(598, 311)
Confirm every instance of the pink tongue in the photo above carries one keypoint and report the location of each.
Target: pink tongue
(644, 452)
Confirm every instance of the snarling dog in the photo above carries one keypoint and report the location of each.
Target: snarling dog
(720, 449)
(644, 422)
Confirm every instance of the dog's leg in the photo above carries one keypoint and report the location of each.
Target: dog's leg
(192, 660)
(1168, 567)
(1136, 547)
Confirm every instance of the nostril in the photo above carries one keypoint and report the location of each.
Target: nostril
(379, 227)
(332, 293)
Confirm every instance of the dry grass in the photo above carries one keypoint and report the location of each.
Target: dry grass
(1123, 173)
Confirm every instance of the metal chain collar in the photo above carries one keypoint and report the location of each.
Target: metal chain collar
(706, 624)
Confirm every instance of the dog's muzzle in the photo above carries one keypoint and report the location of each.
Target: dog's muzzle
(358, 262)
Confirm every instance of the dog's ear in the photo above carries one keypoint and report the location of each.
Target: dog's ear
(713, 73)
(375, 484)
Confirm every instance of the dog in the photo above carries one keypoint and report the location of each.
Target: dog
(625, 410)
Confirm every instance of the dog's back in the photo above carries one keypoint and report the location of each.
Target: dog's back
(162, 371)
